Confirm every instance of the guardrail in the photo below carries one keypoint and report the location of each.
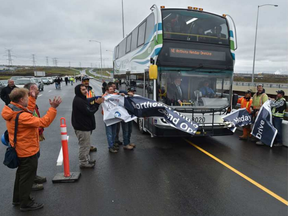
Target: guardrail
(267, 85)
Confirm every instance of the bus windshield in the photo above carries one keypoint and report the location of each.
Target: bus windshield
(195, 90)
(195, 26)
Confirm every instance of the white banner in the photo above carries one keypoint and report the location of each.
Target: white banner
(114, 111)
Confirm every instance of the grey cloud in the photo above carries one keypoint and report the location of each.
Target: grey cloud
(62, 29)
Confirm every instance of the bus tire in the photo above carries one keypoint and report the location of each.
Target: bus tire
(140, 122)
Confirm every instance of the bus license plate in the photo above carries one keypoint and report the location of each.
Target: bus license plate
(199, 119)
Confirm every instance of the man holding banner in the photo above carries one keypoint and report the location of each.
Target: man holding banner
(246, 102)
(259, 98)
(278, 108)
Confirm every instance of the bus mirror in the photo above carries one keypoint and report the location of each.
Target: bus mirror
(153, 72)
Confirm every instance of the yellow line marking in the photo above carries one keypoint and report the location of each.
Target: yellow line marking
(241, 174)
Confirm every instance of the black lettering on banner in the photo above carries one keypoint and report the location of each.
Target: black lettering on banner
(144, 107)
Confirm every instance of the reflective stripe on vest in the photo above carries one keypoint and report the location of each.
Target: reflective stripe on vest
(89, 94)
(247, 103)
(280, 115)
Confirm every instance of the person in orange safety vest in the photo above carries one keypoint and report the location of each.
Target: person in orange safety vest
(246, 102)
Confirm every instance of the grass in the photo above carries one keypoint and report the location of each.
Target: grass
(265, 78)
(4, 77)
(104, 71)
(50, 71)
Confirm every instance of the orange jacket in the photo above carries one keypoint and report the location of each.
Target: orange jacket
(28, 133)
(245, 104)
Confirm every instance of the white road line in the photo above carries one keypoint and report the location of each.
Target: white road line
(39, 95)
(49, 90)
(60, 156)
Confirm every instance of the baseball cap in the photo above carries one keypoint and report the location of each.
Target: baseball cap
(85, 78)
(281, 92)
(132, 89)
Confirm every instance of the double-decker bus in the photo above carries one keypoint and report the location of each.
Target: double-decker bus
(194, 53)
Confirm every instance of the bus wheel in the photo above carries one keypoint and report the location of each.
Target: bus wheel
(141, 125)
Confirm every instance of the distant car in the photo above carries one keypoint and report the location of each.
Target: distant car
(40, 84)
(45, 80)
(23, 81)
(16, 77)
(3, 84)
(50, 79)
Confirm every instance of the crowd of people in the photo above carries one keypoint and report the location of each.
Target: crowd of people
(84, 106)
(31, 128)
(254, 104)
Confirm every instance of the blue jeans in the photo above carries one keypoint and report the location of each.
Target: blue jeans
(127, 130)
(277, 122)
(111, 134)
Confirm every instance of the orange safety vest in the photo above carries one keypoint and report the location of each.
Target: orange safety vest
(89, 94)
(245, 104)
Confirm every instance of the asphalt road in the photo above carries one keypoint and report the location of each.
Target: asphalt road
(160, 177)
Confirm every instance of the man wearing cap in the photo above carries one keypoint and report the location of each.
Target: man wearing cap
(278, 109)
(258, 99)
(90, 93)
(246, 102)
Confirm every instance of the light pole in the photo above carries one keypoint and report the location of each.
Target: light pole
(253, 70)
(100, 54)
(123, 19)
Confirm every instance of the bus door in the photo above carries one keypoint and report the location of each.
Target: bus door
(148, 122)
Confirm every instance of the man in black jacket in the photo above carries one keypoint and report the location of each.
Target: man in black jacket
(6, 91)
(83, 122)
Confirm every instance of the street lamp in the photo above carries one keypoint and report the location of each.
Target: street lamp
(256, 39)
(100, 53)
(123, 19)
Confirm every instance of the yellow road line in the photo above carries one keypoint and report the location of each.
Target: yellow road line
(241, 174)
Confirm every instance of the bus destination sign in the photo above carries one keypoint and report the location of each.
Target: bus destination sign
(197, 54)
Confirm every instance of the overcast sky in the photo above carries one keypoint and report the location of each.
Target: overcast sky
(62, 29)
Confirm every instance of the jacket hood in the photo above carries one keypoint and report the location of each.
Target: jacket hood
(9, 111)
(263, 91)
(78, 92)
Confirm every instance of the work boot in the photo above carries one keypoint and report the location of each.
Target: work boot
(259, 143)
(116, 146)
(128, 147)
(32, 207)
(87, 166)
(277, 145)
(243, 137)
(37, 187)
(133, 145)
(93, 149)
(112, 150)
(92, 161)
(39, 179)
